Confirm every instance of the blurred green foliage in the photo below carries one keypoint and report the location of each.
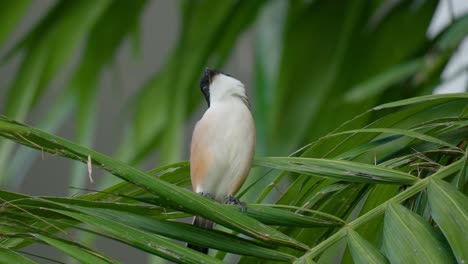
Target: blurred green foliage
(318, 65)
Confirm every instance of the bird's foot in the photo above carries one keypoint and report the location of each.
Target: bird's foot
(207, 195)
(233, 200)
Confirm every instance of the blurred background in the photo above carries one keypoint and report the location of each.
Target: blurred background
(121, 77)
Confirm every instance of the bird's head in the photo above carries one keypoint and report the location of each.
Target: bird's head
(217, 86)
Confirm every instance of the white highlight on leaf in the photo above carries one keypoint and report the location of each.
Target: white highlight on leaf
(90, 169)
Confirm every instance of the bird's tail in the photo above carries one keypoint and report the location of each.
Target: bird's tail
(203, 223)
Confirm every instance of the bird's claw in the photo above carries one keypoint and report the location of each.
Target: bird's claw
(233, 200)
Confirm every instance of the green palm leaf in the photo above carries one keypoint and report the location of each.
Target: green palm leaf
(182, 198)
(362, 251)
(10, 256)
(450, 211)
(408, 238)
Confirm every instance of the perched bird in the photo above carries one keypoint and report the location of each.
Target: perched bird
(223, 142)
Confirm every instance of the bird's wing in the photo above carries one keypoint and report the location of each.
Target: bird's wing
(241, 161)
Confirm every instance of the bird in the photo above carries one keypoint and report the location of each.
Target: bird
(223, 142)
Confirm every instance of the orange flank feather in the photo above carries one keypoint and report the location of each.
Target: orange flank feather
(199, 158)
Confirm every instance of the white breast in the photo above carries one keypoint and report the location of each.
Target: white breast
(229, 137)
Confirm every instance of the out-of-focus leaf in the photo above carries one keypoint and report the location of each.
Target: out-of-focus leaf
(25, 157)
(161, 112)
(382, 81)
(337, 169)
(362, 251)
(135, 37)
(53, 32)
(455, 33)
(324, 70)
(449, 209)
(331, 46)
(268, 47)
(10, 12)
(243, 17)
(18, 104)
(115, 23)
(194, 49)
(303, 85)
(444, 46)
(10, 256)
(44, 56)
(407, 238)
(82, 254)
(150, 117)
